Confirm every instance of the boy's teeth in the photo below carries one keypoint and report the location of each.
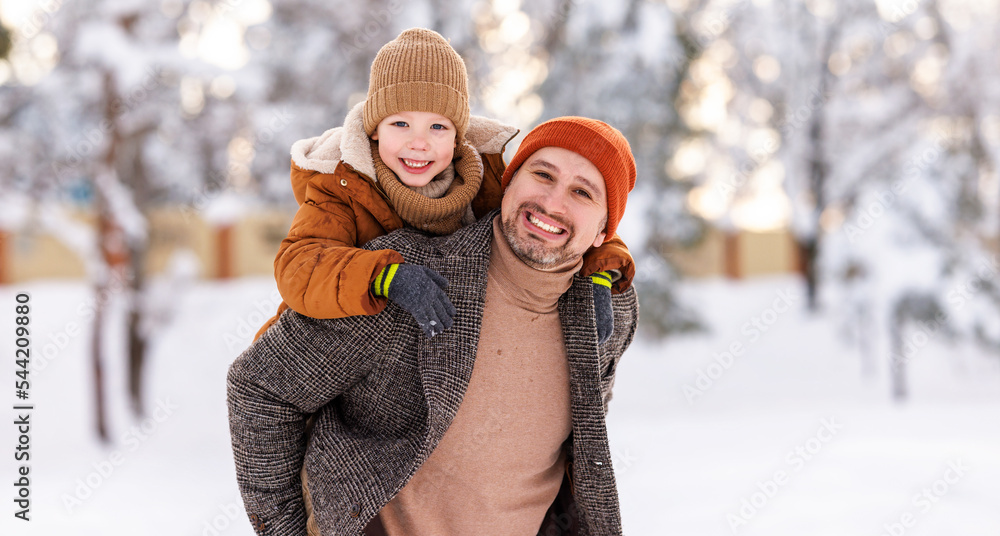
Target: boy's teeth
(543, 225)
(415, 164)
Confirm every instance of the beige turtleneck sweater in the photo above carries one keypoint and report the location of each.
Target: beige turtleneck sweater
(499, 465)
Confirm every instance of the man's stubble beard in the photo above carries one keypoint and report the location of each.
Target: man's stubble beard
(531, 251)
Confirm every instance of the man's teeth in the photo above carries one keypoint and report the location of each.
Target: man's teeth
(544, 226)
(416, 163)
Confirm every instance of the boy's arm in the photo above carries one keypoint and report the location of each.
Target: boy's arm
(611, 255)
(293, 370)
(319, 269)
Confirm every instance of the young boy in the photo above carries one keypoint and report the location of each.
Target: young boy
(410, 154)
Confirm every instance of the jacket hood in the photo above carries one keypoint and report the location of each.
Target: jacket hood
(350, 144)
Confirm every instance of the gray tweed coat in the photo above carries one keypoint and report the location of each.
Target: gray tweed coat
(384, 394)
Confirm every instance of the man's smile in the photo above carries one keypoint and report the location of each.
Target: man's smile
(549, 228)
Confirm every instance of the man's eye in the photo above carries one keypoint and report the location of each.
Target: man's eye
(584, 193)
(543, 175)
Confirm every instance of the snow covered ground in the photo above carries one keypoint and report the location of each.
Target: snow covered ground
(787, 437)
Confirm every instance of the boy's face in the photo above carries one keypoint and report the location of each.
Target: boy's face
(416, 145)
(555, 208)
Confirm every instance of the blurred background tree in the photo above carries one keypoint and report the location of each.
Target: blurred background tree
(868, 130)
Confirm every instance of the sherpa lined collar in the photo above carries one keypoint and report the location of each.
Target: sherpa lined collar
(350, 144)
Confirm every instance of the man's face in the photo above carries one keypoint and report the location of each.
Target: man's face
(554, 208)
(416, 145)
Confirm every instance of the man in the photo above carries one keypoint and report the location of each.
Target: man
(496, 425)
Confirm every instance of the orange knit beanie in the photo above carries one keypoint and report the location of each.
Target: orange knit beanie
(596, 141)
(418, 71)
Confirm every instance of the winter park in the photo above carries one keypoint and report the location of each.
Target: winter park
(812, 242)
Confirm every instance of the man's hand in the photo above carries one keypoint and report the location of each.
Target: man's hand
(420, 291)
(605, 316)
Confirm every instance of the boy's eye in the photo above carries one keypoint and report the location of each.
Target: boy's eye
(438, 126)
(400, 124)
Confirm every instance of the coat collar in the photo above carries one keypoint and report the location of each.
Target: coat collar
(349, 143)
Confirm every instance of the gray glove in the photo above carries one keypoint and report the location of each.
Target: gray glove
(420, 291)
(603, 313)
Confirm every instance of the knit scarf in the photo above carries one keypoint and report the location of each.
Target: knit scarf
(443, 205)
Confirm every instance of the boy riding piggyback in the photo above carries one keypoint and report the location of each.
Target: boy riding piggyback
(410, 155)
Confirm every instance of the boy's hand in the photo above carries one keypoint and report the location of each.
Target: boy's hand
(420, 291)
(605, 316)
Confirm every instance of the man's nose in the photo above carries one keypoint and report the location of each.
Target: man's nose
(554, 200)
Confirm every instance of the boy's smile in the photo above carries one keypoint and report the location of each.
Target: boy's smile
(416, 146)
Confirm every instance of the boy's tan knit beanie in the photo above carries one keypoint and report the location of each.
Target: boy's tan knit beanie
(418, 72)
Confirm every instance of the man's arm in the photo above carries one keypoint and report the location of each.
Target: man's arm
(626, 309)
(294, 369)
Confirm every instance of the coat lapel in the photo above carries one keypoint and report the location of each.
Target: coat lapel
(446, 361)
(591, 454)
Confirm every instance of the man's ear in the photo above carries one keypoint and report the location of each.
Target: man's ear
(600, 238)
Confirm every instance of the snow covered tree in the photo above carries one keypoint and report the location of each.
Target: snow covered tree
(122, 56)
(950, 206)
(885, 184)
(820, 113)
(96, 129)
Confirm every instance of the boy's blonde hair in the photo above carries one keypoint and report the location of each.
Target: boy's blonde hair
(418, 72)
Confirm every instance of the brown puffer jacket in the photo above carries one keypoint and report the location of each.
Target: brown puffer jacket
(320, 270)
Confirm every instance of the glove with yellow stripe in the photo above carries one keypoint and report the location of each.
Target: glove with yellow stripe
(605, 316)
(420, 291)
